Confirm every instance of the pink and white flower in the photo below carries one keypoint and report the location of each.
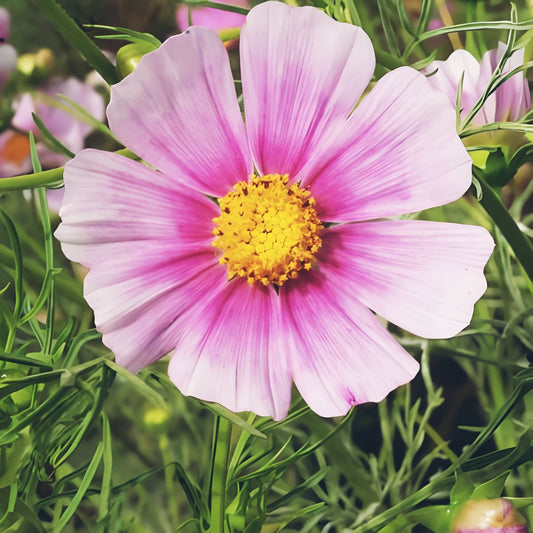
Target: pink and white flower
(509, 102)
(253, 283)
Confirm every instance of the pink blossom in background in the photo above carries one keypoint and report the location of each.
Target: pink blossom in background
(8, 55)
(209, 17)
(68, 129)
(495, 515)
(63, 125)
(285, 297)
(509, 102)
(5, 24)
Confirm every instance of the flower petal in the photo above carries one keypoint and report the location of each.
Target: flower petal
(423, 276)
(446, 76)
(399, 153)
(110, 199)
(210, 17)
(512, 96)
(179, 112)
(340, 354)
(146, 240)
(233, 352)
(139, 294)
(68, 129)
(302, 74)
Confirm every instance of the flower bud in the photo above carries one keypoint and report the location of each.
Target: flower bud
(129, 56)
(489, 516)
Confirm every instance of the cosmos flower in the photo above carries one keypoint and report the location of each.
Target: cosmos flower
(253, 253)
(509, 102)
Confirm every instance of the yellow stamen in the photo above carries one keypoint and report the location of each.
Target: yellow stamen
(267, 229)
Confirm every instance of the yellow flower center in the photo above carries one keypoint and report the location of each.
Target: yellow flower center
(268, 230)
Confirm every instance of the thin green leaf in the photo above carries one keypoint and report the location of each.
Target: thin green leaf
(390, 33)
(46, 178)
(43, 296)
(104, 500)
(77, 344)
(76, 37)
(84, 116)
(468, 26)
(26, 361)
(137, 383)
(307, 484)
(216, 5)
(56, 144)
(18, 260)
(234, 419)
(84, 485)
(425, 14)
(126, 34)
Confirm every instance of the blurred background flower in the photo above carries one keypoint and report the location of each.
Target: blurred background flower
(495, 515)
(216, 19)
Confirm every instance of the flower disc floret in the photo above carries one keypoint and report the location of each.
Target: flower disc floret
(267, 229)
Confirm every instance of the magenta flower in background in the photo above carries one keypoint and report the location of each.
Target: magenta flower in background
(5, 24)
(8, 55)
(209, 17)
(272, 283)
(67, 128)
(509, 102)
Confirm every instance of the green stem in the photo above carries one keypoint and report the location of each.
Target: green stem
(222, 444)
(46, 178)
(48, 246)
(504, 221)
(434, 435)
(76, 36)
(169, 479)
(49, 254)
(31, 181)
(389, 61)
(33, 270)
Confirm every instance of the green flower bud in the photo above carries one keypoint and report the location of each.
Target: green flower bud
(129, 56)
